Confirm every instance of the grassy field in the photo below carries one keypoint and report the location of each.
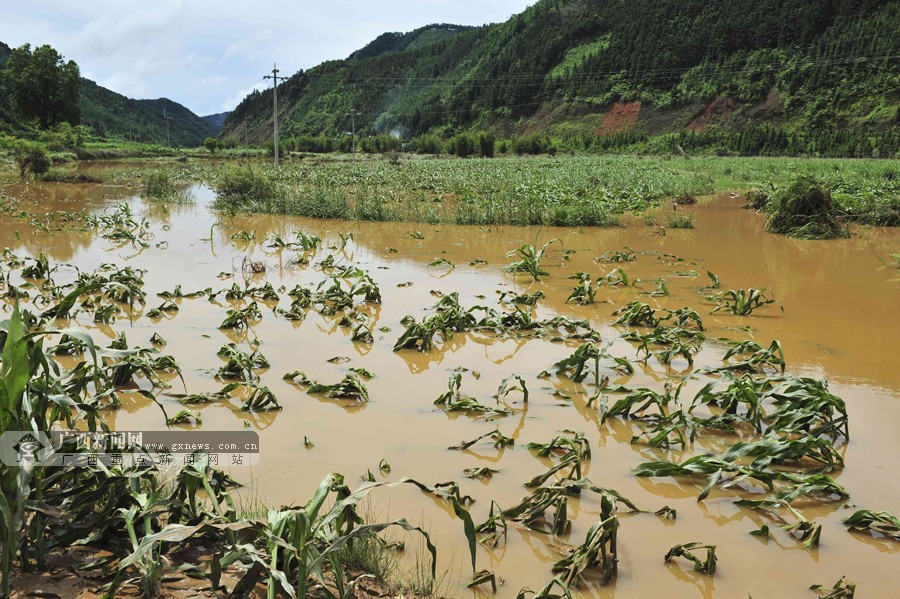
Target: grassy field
(564, 191)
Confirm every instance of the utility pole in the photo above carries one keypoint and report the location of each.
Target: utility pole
(168, 118)
(274, 77)
(353, 114)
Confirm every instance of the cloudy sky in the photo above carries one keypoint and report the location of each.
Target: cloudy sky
(208, 54)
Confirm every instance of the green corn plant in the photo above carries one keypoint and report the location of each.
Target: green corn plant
(547, 591)
(167, 307)
(266, 293)
(500, 441)
(525, 299)
(661, 290)
(636, 403)
(585, 293)
(787, 450)
(624, 255)
(884, 524)
(482, 472)
(673, 341)
(302, 547)
(727, 474)
(743, 302)
(125, 364)
(39, 270)
(804, 405)
(562, 446)
(840, 590)
(530, 512)
(801, 529)
(452, 400)
(637, 314)
(529, 261)
(513, 382)
(240, 365)
(619, 278)
(756, 358)
(241, 318)
(704, 566)
(448, 317)
(742, 398)
(598, 550)
(351, 387)
(34, 395)
(576, 366)
(177, 293)
(493, 530)
(261, 399)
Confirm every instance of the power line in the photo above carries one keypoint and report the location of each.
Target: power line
(274, 77)
(168, 118)
(353, 114)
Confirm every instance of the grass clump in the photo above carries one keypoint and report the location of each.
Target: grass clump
(680, 221)
(805, 210)
(245, 189)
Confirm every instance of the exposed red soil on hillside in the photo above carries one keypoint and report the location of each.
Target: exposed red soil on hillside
(712, 113)
(622, 116)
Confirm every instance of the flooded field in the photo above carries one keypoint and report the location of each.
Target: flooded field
(840, 321)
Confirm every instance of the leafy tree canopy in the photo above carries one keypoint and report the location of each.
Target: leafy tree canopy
(43, 86)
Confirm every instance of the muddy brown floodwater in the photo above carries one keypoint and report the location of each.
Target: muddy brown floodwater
(841, 321)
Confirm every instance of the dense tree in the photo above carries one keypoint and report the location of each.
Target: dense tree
(43, 86)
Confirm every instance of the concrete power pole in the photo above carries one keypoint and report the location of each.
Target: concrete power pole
(353, 114)
(274, 77)
(168, 118)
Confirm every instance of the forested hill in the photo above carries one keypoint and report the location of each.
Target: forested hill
(613, 68)
(111, 114)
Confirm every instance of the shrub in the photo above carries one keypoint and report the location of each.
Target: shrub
(426, 144)
(805, 210)
(757, 199)
(244, 188)
(485, 144)
(462, 145)
(31, 157)
(158, 184)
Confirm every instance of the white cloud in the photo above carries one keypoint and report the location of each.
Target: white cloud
(234, 100)
(198, 52)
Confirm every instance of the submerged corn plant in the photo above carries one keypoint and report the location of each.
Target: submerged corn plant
(637, 314)
(624, 255)
(350, 387)
(241, 318)
(585, 292)
(883, 524)
(453, 401)
(239, 364)
(704, 566)
(743, 302)
(801, 529)
(577, 366)
(529, 261)
(840, 590)
(599, 550)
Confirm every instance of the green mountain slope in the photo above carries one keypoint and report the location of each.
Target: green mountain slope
(614, 67)
(396, 41)
(216, 121)
(111, 114)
